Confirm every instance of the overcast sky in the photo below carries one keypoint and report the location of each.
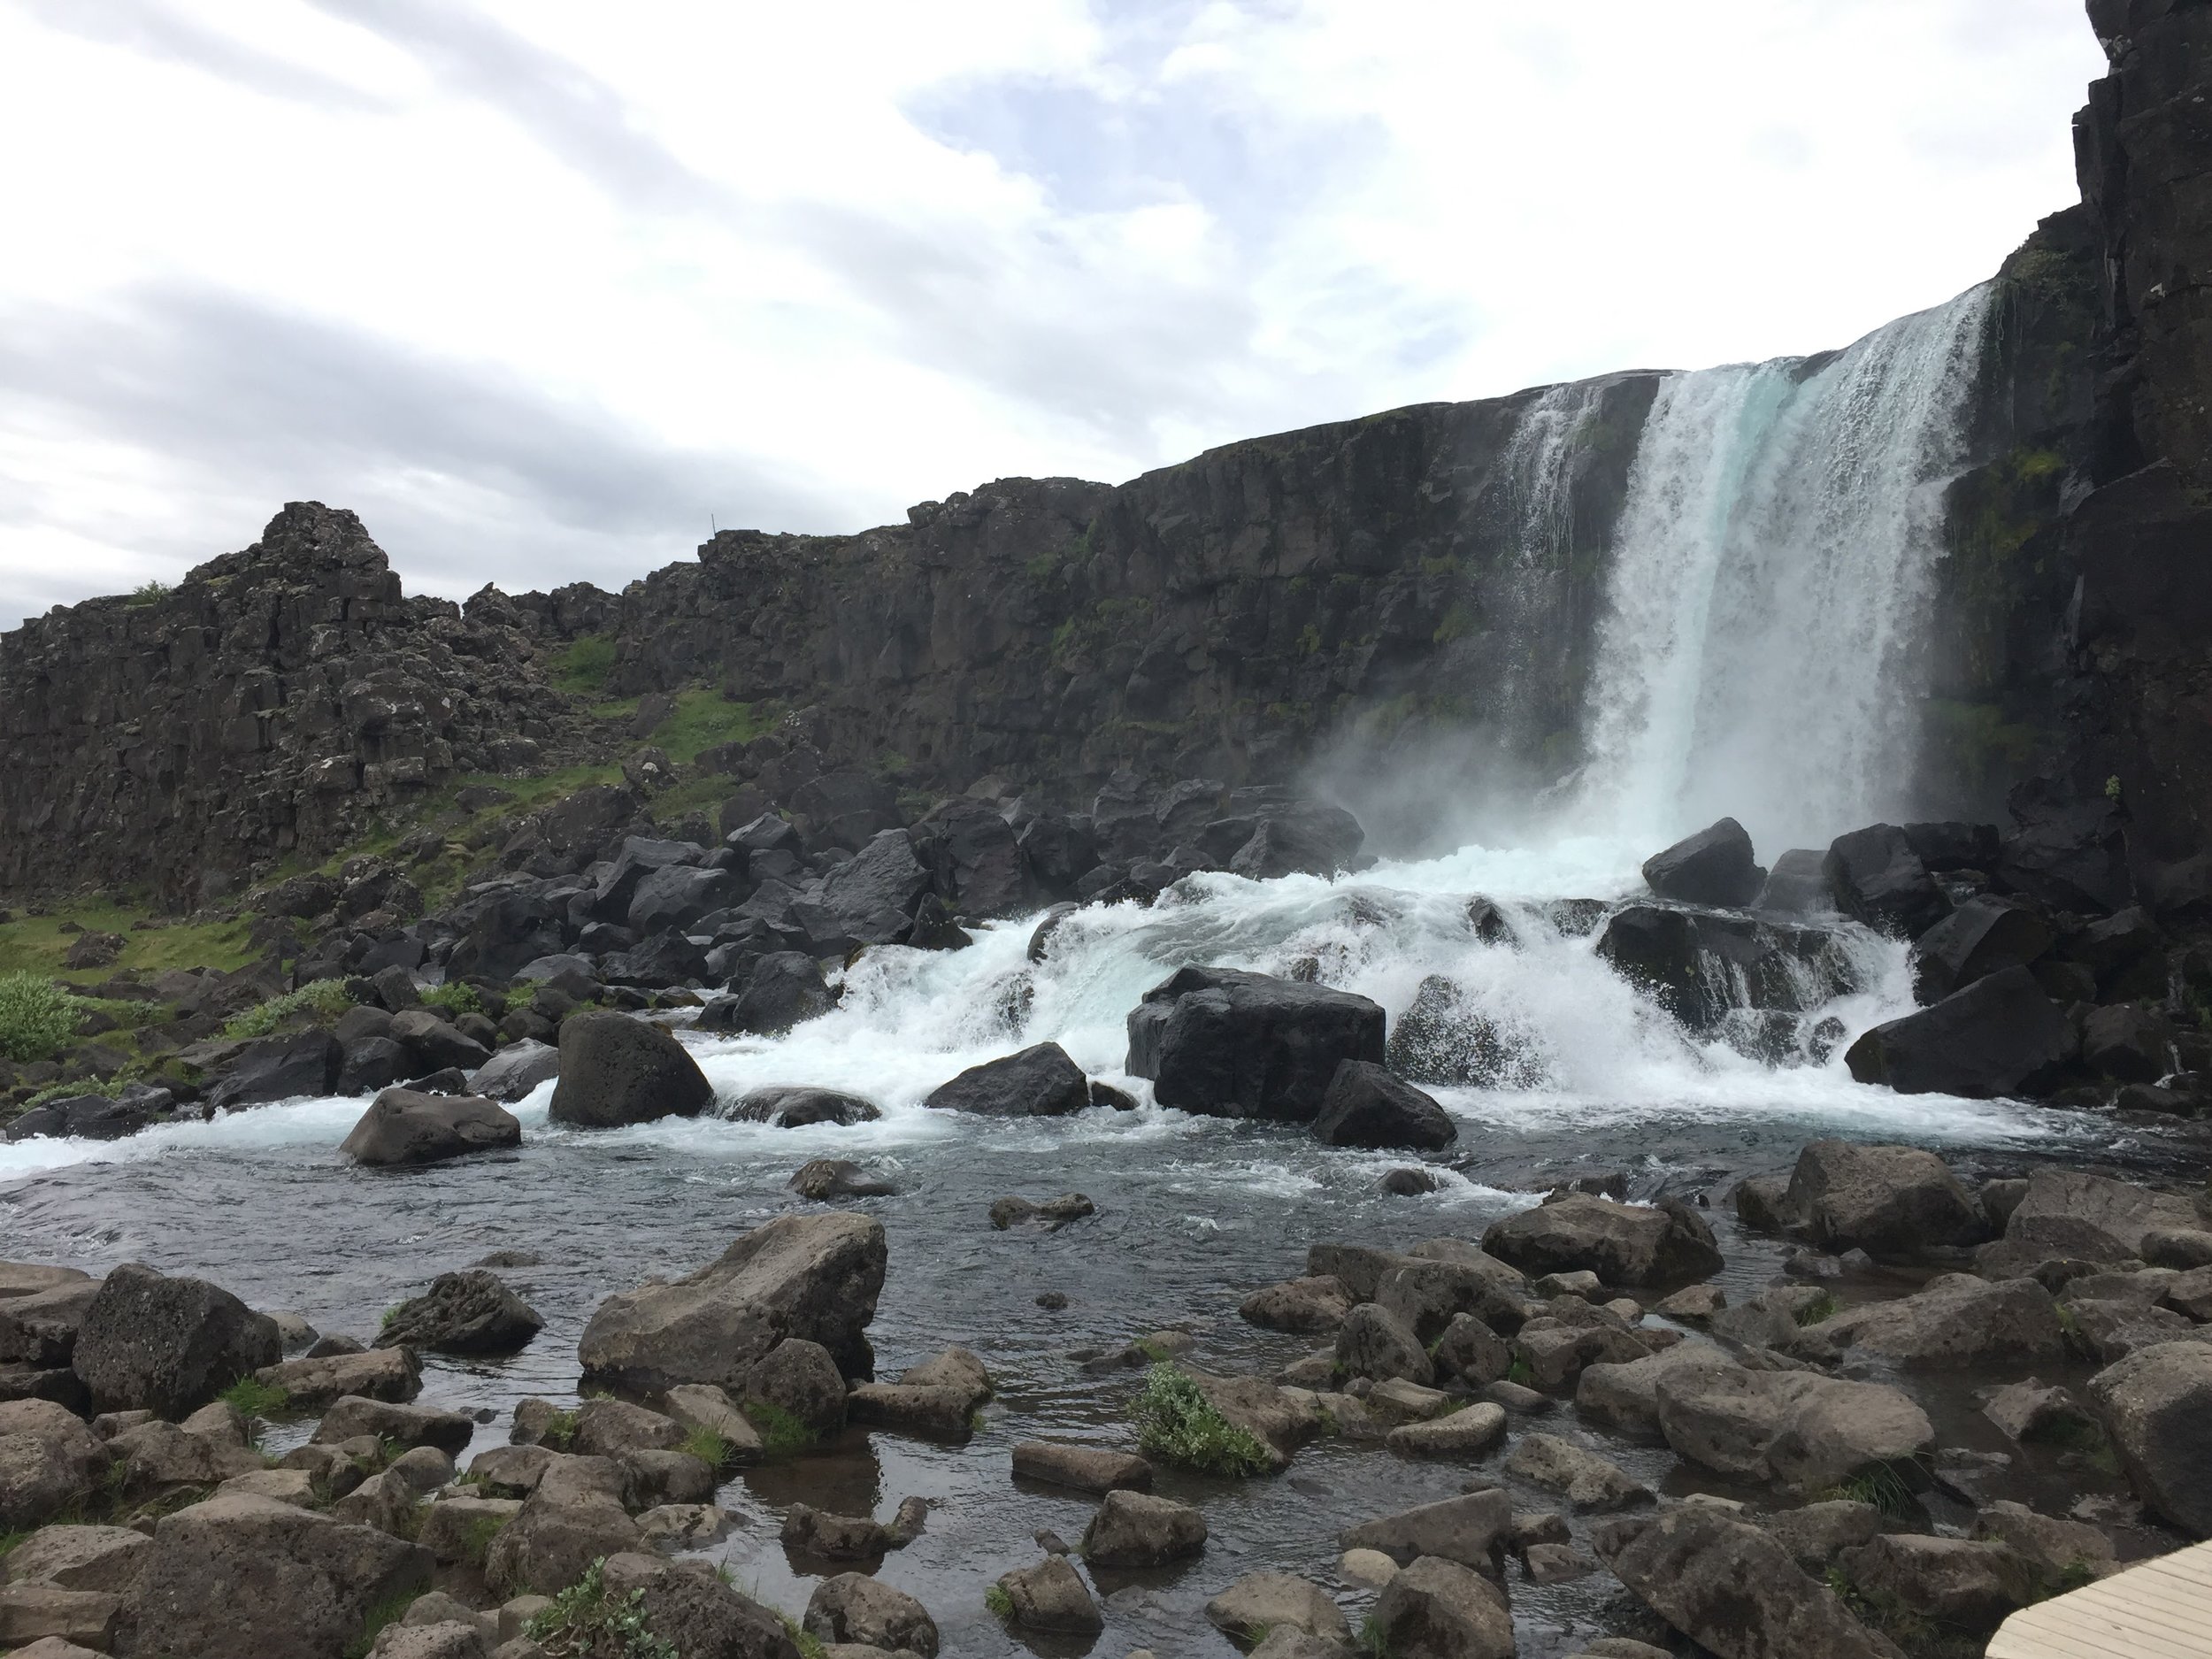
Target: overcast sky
(541, 287)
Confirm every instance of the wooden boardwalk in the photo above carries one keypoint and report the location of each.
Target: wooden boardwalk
(2162, 1610)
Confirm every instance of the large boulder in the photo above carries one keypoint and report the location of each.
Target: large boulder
(1623, 1244)
(1800, 1429)
(1469, 1530)
(875, 893)
(616, 1070)
(1957, 1323)
(1624, 1397)
(1890, 1202)
(1798, 885)
(241, 1577)
(2157, 1409)
(1231, 1044)
(1961, 1584)
(49, 1462)
(516, 1070)
(404, 1127)
(1133, 1529)
(798, 1107)
(1293, 838)
(1438, 1609)
(1732, 1588)
(1983, 935)
(40, 1331)
(433, 1044)
(676, 897)
(855, 1609)
(1444, 1037)
(2091, 1217)
(690, 1608)
(1878, 879)
(573, 1516)
(468, 1312)
(816, 1277)
(1052, 1596)
(976, 863)
(2002, 1035)
(785, 989)
(391, 1374)
(169, 1346)
(1713, 866)
(1367, 1106)
(1040, 1081)
(301, 1064)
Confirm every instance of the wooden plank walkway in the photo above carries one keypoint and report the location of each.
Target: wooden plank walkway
(2162, 1610)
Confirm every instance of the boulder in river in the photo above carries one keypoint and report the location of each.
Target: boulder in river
(1623, 1244)
(855, 1610)
(403, 1127)
(1797, 885)
(1443, 1037)
(786, 988)
(1800, 1429)
(168, 1345)
(825, 1179)
(1715, 867)
(2001, 1035)
(799, 1106)
(1437, 1607)
(1368, 1108)
(469, 1312)
(1040, 1081)
(1878, 879)
(1230, 1044)
(1134, 1529)
(814, 1276)
(2157, 1407)
(511, 1074)
(1469, 1530)
(1984, 934)
(1891, 1202)
(301, 1064)
(1051, 1596)
(617, 1071)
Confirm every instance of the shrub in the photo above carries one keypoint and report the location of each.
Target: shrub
(1822, 1308)
(998, 1602)
(560, 1431)
(585, 1622)
(1175, 1421)
(324, 998)
(456, 997)
(148, 593)
(586, 663)
(708, 1447)
(254, 1398)
(37, 1017)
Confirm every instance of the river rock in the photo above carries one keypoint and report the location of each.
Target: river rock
(469, 1312)
(1715, 867)
(1890, 1202)
(1958, 1322)
(1438, 1609)
(609, 1428)
(616, 1070)
(815, 1276)
(1588, 1481)
(789, 1107)
(168, 1345)
(2157, 1407)
(1981, 937)
(802, 1380)
(822, 1179)
(314, 1581)
(1806, 1431)
(1375, 1342)
(516, 1070)
(1311, 1305)
(78, 1558)
(1472, 1351)
(854, 1608)
(409, 1426)
(311, 1383)
(433, 1045)
(938, 1413)
(1133, 1529)
(1368, 1108)
(574, 1518)
(49, 1460)
(1262, 1602)
(1231, 1044)
(299, 1065)
(1816, 1533)
(1878, 879)
(29, 1278)
(404, 1127)
(1625, 1397)
(786, 988)
(40, 1331)
(2055, 1547)
(2001, 1035)
(1728, 1586)
(808, 1530)
(1013, 1211)
(1084, 1468)
(1623, 1244)
(1469, 1530)
(704, 1406)
(1052, 1596)
(2091, 1217)
(1470, 1432)
(1038, 1082)
(1963, 1584)
(1428, 1293)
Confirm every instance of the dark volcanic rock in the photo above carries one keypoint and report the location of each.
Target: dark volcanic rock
(1623, 1244)
(1232, 1044)
(1878, 879)
(1445, 1038)
(795, 1108)
(2001, 1035)
(168, 1345)
(1038, 1082)
(786, 988)
(468, 1312)
(303, 1064)
(403, 1127)
(1975, 941)
(1367, 1106)
(616, 1070)
(1715, 866)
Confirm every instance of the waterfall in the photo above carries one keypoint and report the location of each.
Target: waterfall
(1771, 570)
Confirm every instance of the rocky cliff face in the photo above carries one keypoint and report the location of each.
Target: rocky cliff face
(1414, 589)
(279, 699)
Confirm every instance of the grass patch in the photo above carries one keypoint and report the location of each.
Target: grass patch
(1175, 1421)
(708, 1447)
(560, 1431)
(780, 1431)
(1521, 1372)
(1823, 1307)
(456, 996)
(390, 1610)
(583, 668)
(326, 999)
(9, 1540)
(37, 944)
(1372, 1640)
(997, 1602)
(476, 1542)
(806, 1641)
(1883, 1486)
(254, 1398)
(1916, 1633)
(37, 1018)
(586, 1622)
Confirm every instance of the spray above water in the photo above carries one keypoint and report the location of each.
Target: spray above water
(1771, 572)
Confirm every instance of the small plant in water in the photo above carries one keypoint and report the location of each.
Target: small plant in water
(250, 1397)
(1822, 1308)
(1176, 1422)
(997, 1602)
(586, 1622)
(708, 1447)
(780, 1431)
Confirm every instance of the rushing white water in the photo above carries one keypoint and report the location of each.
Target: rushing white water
(1771, 567)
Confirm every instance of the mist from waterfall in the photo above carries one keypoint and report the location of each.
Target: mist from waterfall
(1770, 574)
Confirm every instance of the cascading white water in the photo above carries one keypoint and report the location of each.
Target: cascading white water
(1534, 498)
(1770, 568)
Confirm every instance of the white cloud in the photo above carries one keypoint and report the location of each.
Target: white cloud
(537, 285)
